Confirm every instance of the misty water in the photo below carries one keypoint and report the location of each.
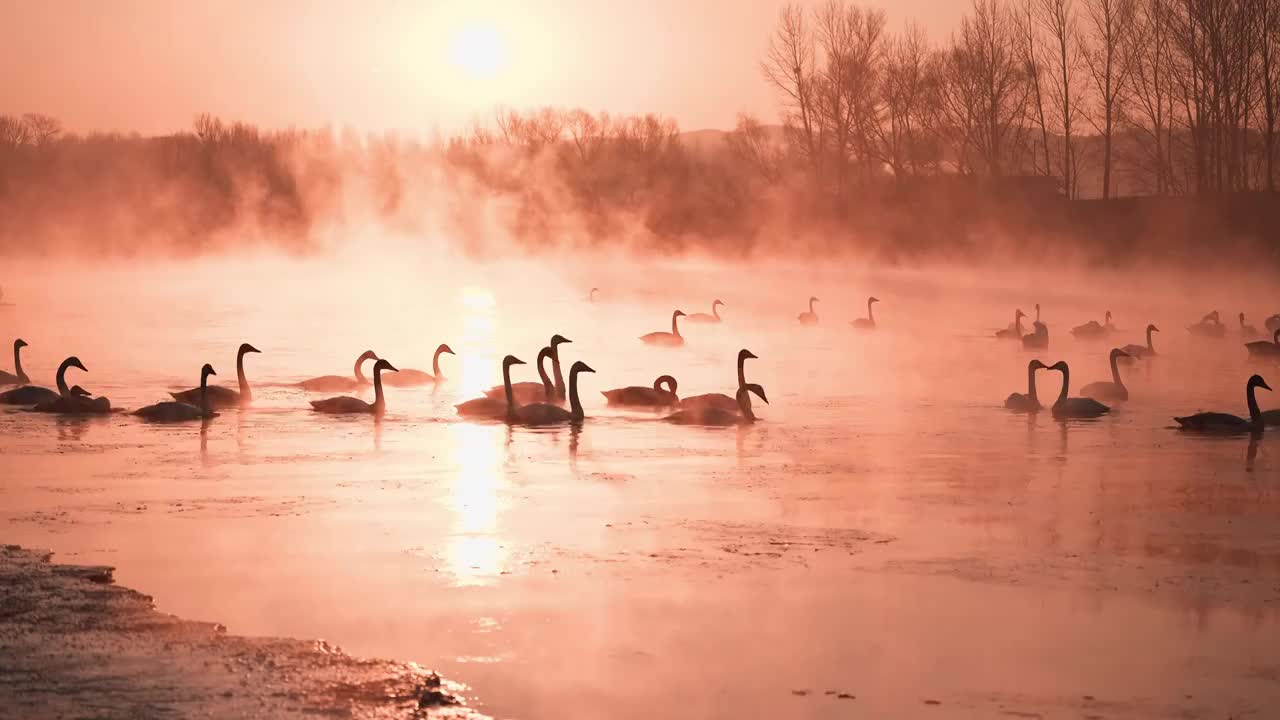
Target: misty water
(887, 531)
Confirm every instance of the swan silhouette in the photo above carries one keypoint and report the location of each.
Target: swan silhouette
(1037, 339)
(1093, 329)
(720, 400)
(410, 377)
(339, 383)
(1029, 402)
(1013, 332)
(1248, 332)
(1074, 407)
(1215, 422)
(714, 317)
(810, 317)
(666, 339)
(548, 414)
(494, 408)
(351, 405)
(17, 377)
(1264, 349)
(33, 395)
(178, 411)
(545, 391)
(1113, 390)
(1142, 351)
(717, 416)
(220, 398)
(868, 322)
(1210, 326)
(641, 396)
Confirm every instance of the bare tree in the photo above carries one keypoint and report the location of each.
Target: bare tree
(1030, 52)
(14, 133)
(750, 145)
(1058, 18)
(1269, 72)
(1150, 94)
(904, 94)
(790, 65)
(43, 129)
(1110, 61)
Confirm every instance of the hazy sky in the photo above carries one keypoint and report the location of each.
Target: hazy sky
(151, 65)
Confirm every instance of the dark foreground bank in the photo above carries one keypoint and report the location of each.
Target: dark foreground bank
(74, 644)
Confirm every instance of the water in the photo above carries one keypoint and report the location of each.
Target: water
(887, 531)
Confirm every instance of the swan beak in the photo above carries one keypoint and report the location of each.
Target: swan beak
(447, 349)
(517, 361)
(583, 367)
(751, 355)
(558, 339)
(251, 349)
(20, 343)
(78, 364)
(390, 367)
(1264, 385)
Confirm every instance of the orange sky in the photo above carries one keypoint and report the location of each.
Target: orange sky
(408, 65)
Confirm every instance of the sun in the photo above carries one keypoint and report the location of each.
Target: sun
(480, 51)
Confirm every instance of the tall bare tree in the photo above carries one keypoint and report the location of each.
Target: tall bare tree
(1058, 18)
(1029, 48)
(790, 65)
(1150, 95)
(43, 129)
(1110, 58)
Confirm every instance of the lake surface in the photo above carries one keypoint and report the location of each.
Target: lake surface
(887, 531)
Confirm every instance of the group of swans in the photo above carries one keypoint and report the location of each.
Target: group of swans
(810, 316)
(707, 409)
(64, 400)
(1062, 408)
(510, 410)
(1037, 339)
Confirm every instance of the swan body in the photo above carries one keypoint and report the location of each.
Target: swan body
(868, 322)
(1210, 326)
(17, 377)
(716, 416)
(1248, 332)
(1077, 407)
(1215, 422)
(220, 397)
(175, 411)
(1037, 339)
(666, 339)
(493, 408)
(355, 406)
(1013, 332)
(1093, 329)
(810, 317)
(545, 391)
(1114, 390)
(339, 383)
(410, 377)
(1264, 349)
(548, 414)
(32, 395)
(1030, 402)
(720, 400)
(713, 317)
(641, 396)
(1141, 351)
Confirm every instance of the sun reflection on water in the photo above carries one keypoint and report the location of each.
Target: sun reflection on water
(475, 553)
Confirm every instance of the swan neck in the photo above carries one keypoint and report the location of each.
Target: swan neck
(360, 378)
(1066, 385)
(555, 371)
(435, 364)
(675, 329)
(1255, 414)
(1149, 347)
(547, 387)
(575, 405)
(1017, 324)
(1031, 385)
(63, 390)
(1115, 370)
(715, 311)
(870, 312)
(742, 371)
(204, 394)
(240, 377)
(744, 404)
(506, 386)
(379, 402)
(17, 364)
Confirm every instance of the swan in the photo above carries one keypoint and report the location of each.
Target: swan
(539, 391)
(1209, 326)
(1114, 390)
(811, 317)
(1213, 422)
(351, 405)
(719, 416)
(868, 322)
(1029, 402)
(219, 397)
(1248, 332)
(1038, 339)
(591, 296)
(720, 400)
(1142, 351)
(18, 377)
(1013, 332)
(1264, 349)
(176, 411)
(666, 339)
(338, 382)
(32, 395)
(413, 378)
(493, 408)
(1093, 329)
(1077, 407)
(548, 414)
(527, 392)
(1273, 323)
(714, 317)
(641, 396)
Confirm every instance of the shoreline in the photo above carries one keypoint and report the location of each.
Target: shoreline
(72, 642)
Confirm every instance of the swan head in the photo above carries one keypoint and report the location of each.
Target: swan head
(384, 365)
(1036, 365)
(1060, 366)
(1118, 353)
(1257, 381)
(813, 299)
(556, 340)
(745, 354)
(717, 302)
(247, 348)
(510, 360)
(77, 391)
(1152, 328)
(1019, 314)
(74, 362)
(19, 344)
(872, 299)
(206, 371)
(580, 366)
(755, 388)
(1107, 317)
(445, 349)
(367, 355)
(676, 314)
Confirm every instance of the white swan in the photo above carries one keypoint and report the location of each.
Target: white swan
(1077, 407)
(1029, 402)
(17, 377)
(1142, 351)
(720, 400)
(339, 383)
(810, 317)
(548, 414)
(1113, 390)
(33, 395)
(1013, 332)
(219, 397)
(1215, 422)
(410, 377)
(352, 405)
(719, 416)
(493, 408)
(714, 317)
(666, 339)
(868, 322)
(175, 411)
